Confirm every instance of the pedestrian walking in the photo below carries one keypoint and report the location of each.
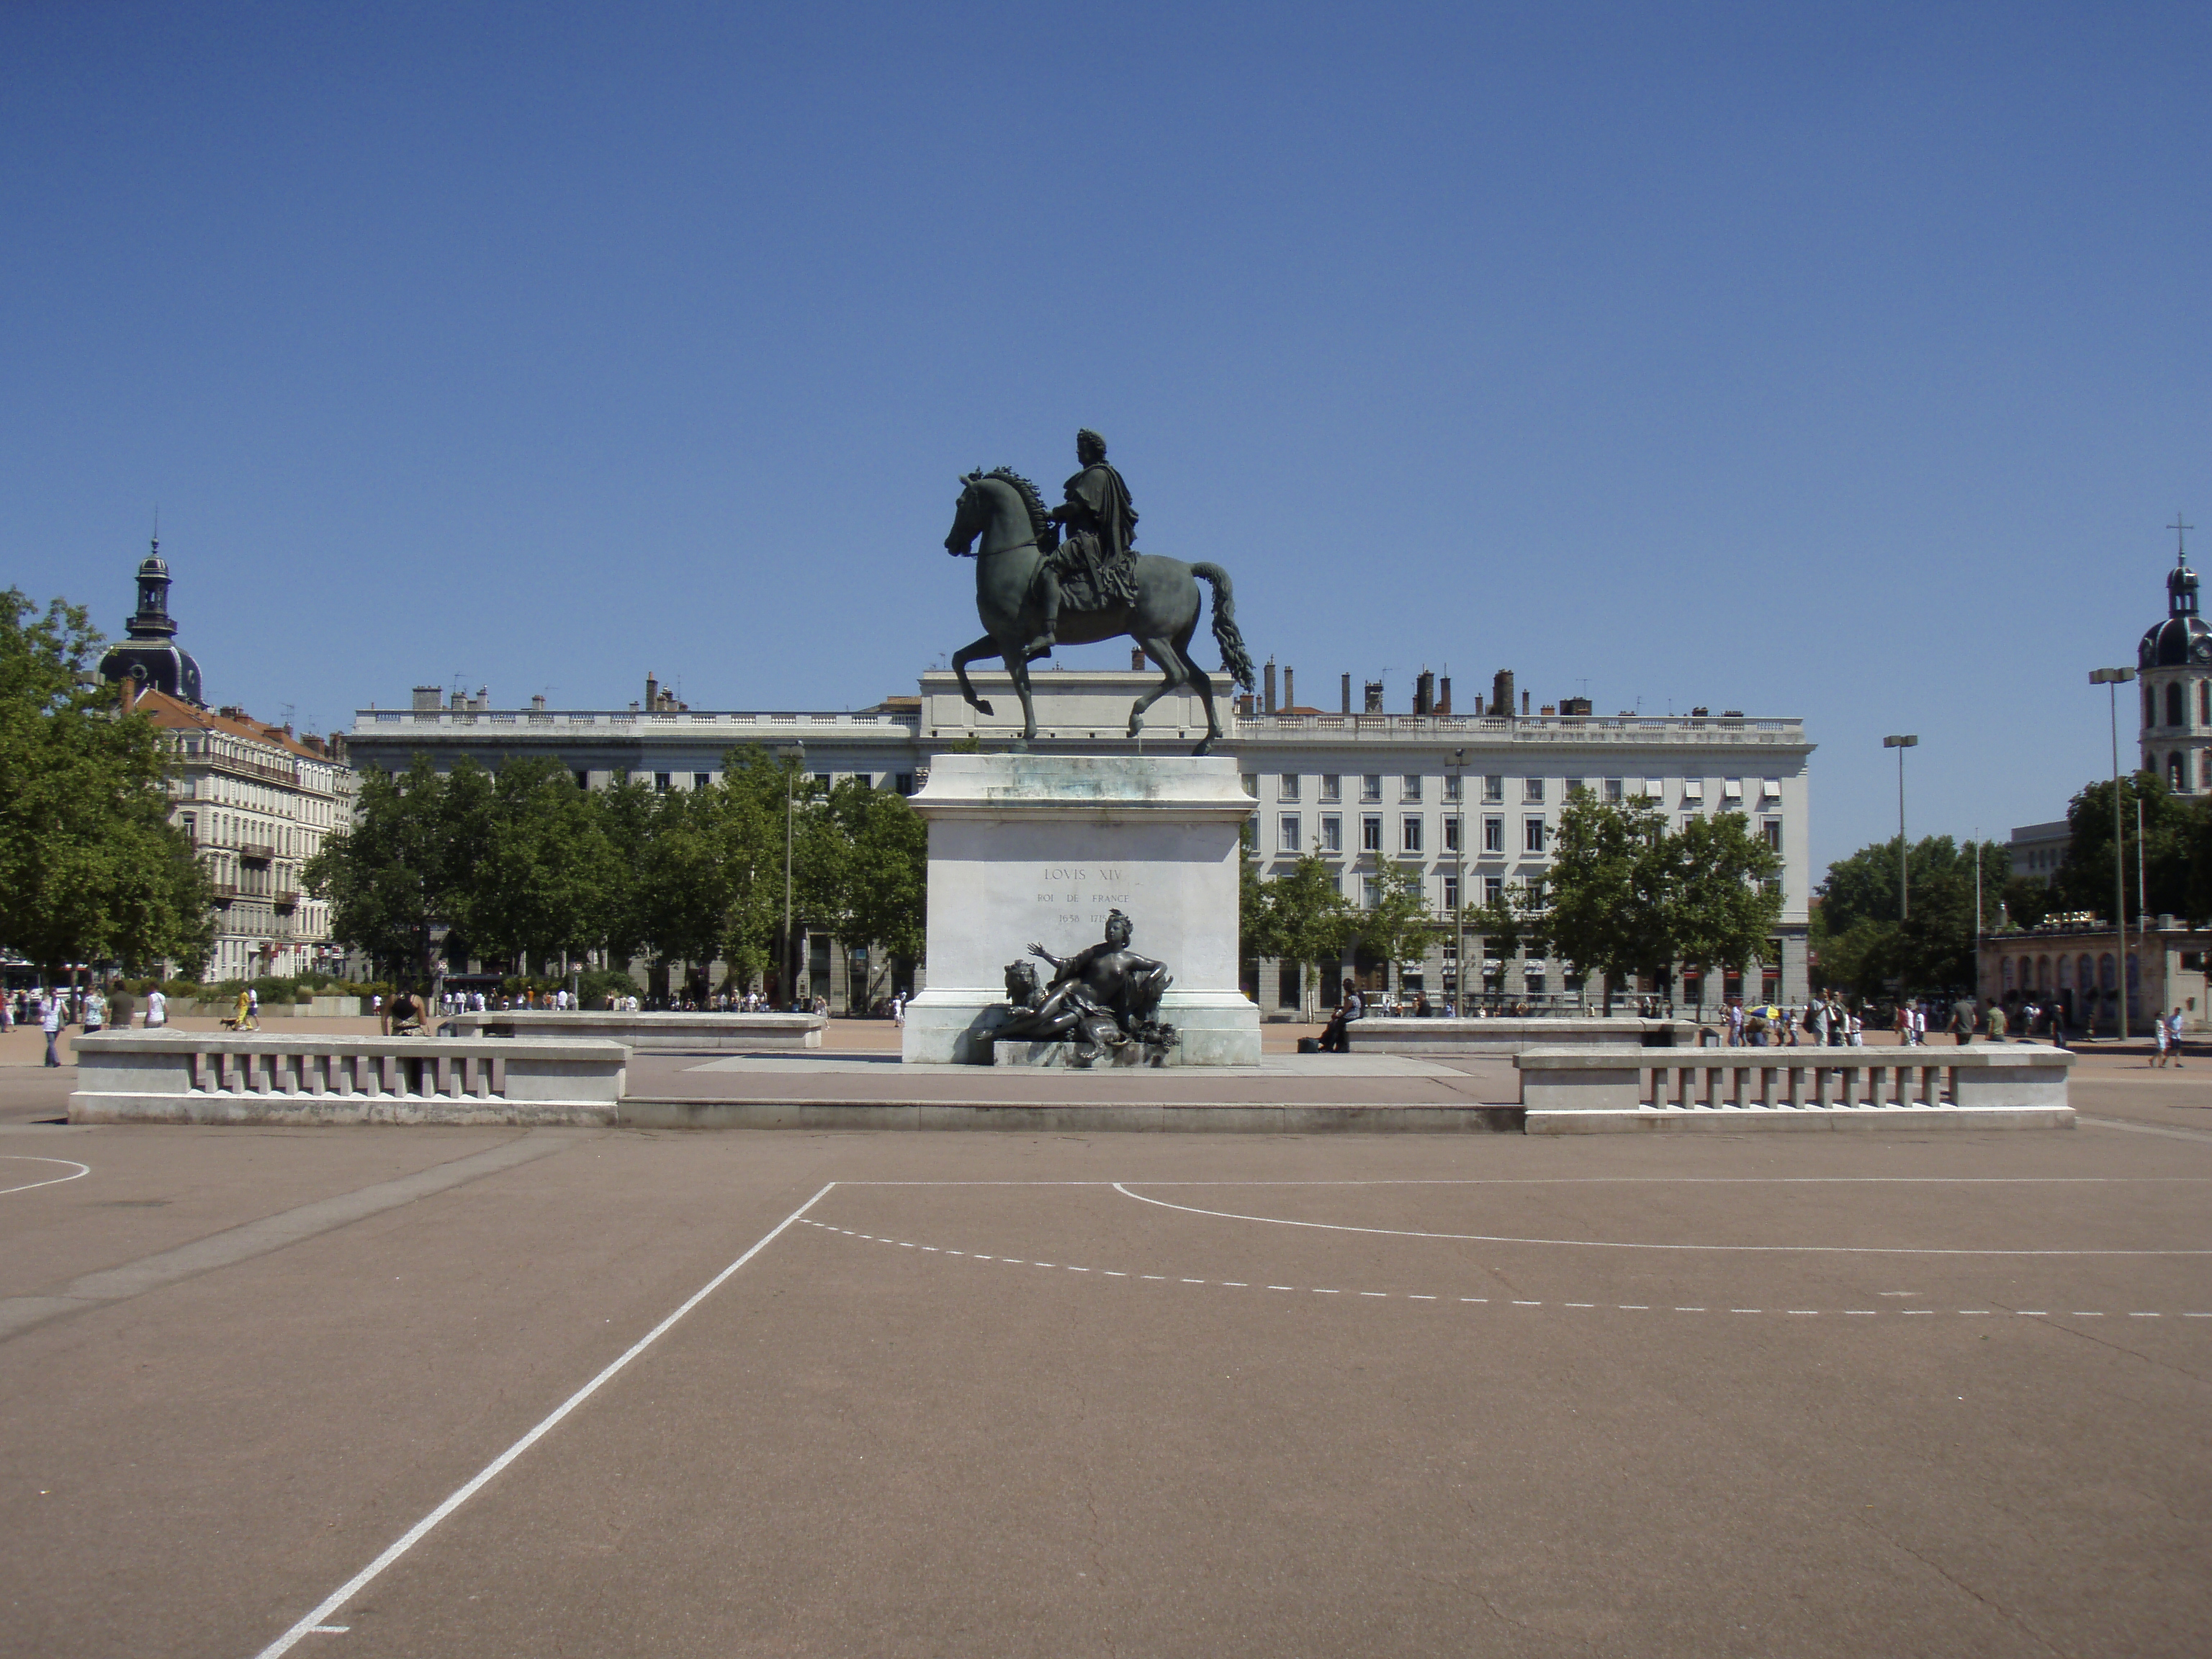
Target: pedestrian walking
(1962, 1020)
(2172, 1023)
(50, 1022)
(1997, 1023)
(157, 1009)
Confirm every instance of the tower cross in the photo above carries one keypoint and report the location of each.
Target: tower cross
(2180, 537)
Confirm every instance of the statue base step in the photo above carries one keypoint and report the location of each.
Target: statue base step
(948, 1026)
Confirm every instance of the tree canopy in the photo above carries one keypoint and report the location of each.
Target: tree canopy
(90, 867)
(525, 864)
(1861, 944)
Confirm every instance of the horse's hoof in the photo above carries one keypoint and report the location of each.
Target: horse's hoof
(982, 707)
(1204, 747)
(1018, 746)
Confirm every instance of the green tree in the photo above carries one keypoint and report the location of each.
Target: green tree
(1616, 885)
(2162, 866)
(1396, 926)
(1862, 943)
(1726, 896)
(1299, 917)
(546, 880)
(90, 866)
(875, 888)
(405, 871)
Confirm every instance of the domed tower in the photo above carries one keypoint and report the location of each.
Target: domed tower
(2174, 663)
(151, 655)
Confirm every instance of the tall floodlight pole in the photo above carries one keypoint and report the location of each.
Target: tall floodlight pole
(1903, 896)
(2111, 679)
(1459, 883)
(796, 756)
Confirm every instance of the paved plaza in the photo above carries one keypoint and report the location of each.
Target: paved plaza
(857, 1393)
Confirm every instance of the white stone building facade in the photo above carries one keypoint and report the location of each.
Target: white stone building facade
(1470, 802)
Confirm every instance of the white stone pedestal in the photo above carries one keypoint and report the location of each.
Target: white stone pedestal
(1040, 848)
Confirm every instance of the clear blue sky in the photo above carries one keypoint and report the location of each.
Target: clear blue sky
(1842, 362)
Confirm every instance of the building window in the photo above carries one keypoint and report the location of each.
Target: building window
(2204, 702)
(1332, 833)
(1532, 790)
(1370, 833)
(661, 781)
(1532, 834)
(1331, 786)
(2177, 779)
(1493, 835)
(1370, 787)
(702, 779)
(583, 779)
(1412, 789)
(1286, 787)
(1493, 788)
(2176, 714)
(1732, 794)
(1694, 791)
(1575, 787)
(1370, 891)
(1251, 836)
(1493, 890)
(1772, 830)
(1451, 786)
(903, 782)
(2150, 706)
(1252, 785)
(1287, 833)
(1451, 834)
(186, 821)
(1615, 789)
(1409, 834)
(1451, 902)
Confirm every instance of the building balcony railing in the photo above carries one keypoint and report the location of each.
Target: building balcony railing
(223, 890)
(1609, 730)
(261, 772)
(284, 898)
(366, 722)
(257, 851)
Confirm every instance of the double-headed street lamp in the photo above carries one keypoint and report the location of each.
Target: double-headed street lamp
(1903, 896)
(2111, 679)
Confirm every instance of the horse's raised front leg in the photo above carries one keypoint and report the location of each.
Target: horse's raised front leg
(986, 647)
(1176, 670)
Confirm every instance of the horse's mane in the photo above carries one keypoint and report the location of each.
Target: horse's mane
(1039, 520)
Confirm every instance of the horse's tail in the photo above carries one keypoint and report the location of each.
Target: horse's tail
(1236, 661)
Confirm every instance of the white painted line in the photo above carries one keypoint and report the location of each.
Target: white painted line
(2202, 1316)
(1414, 1295)
(1582, 1304)
(986, 1258)
(1079, 1270)
(1614, 1243)
(329, 1629)
(1973, 1313)
(1745, 1310)
(903, 1245)
(1111, 1273)
(2029, 1313)
(2142, 1315)
(1234, 1284)
(2082, 1314)
(1909, 1312)
(1318, 1292)
(1861, 1313)
(415, 1535)
(1193, 1281)
(1633, 1307)
(1689, 1310)
(1043, 1264)
(83, 1170)
(1528, 1304)
(1474, 1298)
(1162, 1278)
(1809, 1313)
(931, 1249)
(1375, 1292)
(1282, 1287)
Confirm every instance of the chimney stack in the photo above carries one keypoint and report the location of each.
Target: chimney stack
(1268, 687)
(126, 691)
(1424, 692)
(651, 692)
(1501, 693)
(1443, 695)
(1289, 701)
(1374, 695)
(1524, 702)
(1347, 694)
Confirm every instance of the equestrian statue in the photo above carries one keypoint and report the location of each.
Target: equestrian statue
(1036, 588)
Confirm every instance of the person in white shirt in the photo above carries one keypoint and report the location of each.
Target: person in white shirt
(157, 1009)
(50, 1022)
(2171, 1026)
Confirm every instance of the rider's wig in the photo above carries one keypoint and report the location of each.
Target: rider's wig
(1086, 439)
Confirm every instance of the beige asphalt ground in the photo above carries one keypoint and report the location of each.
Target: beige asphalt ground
(980, 1399)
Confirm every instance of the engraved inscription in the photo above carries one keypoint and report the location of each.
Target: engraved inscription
(1078, 895)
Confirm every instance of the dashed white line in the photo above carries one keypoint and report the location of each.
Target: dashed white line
(1581, 1304)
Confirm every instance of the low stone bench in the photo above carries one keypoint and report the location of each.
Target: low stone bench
(252, 1077)
(1060, 1052)
(695, 1033)
(1400, 1034)
(1586, 1089)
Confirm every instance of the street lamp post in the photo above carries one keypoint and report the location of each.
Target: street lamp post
(796, 755)
(1903, 894)
(1459, 884)
(2111, 679)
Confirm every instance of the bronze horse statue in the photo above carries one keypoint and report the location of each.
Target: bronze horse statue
(1003, 507)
